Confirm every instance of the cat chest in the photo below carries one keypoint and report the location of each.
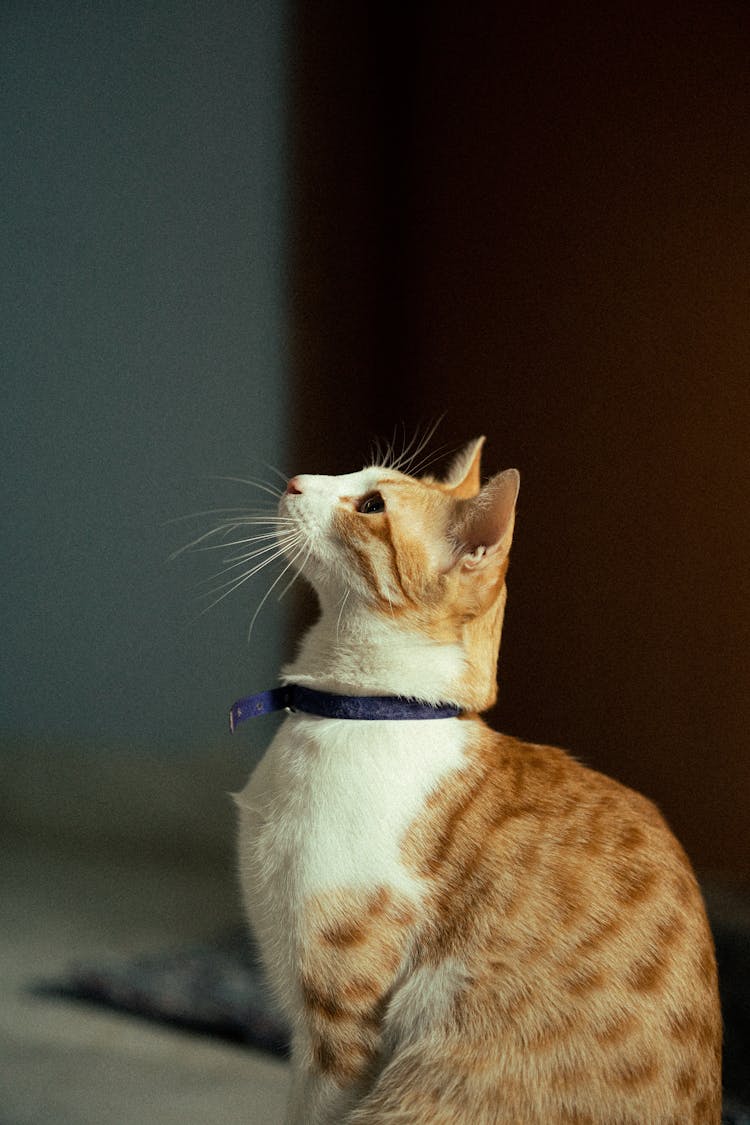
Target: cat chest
(335, 799)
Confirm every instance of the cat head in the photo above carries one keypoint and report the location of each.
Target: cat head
(429, 555)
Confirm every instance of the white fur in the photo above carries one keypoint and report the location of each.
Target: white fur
(423, 1000)
(364, 654)
(327, 809)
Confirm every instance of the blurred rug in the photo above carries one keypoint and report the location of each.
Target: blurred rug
(218, 988)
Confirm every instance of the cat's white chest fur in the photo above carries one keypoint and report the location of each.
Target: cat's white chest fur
(327, 809)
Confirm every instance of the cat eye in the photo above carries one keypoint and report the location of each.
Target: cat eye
(371, 504)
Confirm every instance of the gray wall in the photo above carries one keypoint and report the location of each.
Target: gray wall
(142, 349)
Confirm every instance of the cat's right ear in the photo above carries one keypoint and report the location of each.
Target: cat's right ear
(484, 527)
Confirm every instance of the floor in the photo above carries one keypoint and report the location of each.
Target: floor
(66, 1063)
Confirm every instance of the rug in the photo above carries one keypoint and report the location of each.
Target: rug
(216, 988)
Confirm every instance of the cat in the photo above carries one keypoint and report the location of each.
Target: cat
(461, 927)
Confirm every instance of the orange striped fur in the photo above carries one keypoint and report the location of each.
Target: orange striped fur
(462, 928)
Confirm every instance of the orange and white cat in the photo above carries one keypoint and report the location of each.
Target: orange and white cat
(462, 928)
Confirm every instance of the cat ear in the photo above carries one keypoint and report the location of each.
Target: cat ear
(464, 475)
(484, 528)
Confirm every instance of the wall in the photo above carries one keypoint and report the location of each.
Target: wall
(537, 221)
(143, 282)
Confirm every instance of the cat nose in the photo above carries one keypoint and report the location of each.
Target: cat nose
(293, 487)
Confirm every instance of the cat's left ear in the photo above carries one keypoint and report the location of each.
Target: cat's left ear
(484, 528)
(464, 474)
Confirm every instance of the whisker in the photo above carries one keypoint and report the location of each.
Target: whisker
(210, 512)
(240, 560)
(269, 516)
(278, 472)
(390, 451)
(275, 492)
(250, 537)
(430, 458)
(206, 535)
(289, 585)
(384, 456)
(279, 523)
(376, 453)
(239, 542)
(396, 458)
(235, 583)
(272, 587)
(263, 521)
(417, 445)
(399, 460)
(245, 556)
(344, 600)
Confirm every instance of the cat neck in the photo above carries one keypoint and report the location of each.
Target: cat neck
(365, 653)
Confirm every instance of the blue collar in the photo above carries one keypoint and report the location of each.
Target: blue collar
(330, 706)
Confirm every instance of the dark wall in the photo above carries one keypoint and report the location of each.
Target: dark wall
(539, 222)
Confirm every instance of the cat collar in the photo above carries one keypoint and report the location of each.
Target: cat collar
(294, 697)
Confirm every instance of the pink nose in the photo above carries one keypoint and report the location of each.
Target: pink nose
(293, 488)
